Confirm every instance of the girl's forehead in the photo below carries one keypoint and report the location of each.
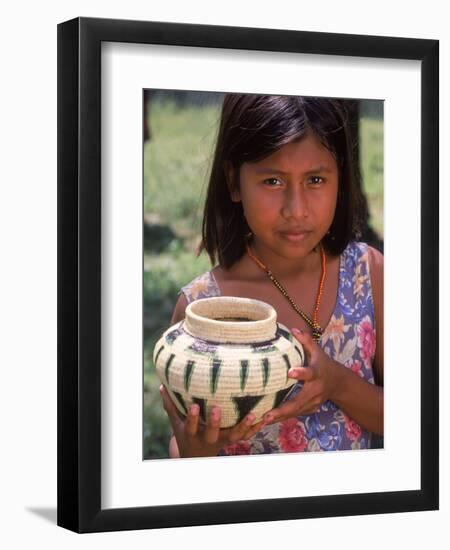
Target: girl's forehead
(307, 153)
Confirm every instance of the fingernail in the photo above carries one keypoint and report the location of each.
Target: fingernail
(297, 331)
(250, 418)
(268, 418)
(161, 388)
(194, 410)
(215, 413)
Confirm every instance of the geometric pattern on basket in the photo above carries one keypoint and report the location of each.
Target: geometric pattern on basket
(279, 396)
(244, 373)
(215, 372)
(188, 374)
(202, 347)
(264, 347)
(180, 401)
(245, 404)
(202, 406)
(238, 377)
(288, 365)
(266, 370)
(284, 333)
(169, 362)
(173, 335)
(157, 354)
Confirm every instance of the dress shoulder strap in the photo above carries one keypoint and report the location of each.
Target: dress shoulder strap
(203, 286)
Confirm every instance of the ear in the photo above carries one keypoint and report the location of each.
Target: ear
(230, 176)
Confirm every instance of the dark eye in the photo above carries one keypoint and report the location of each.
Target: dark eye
(272, 182)
(316, 180)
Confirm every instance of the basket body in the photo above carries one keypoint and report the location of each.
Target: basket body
(229, 352)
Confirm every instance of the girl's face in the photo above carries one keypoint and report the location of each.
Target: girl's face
(289, 198)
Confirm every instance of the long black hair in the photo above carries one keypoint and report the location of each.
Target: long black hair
(253, 127)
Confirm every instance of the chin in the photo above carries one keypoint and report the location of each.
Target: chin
(293, 252)
(297, 242)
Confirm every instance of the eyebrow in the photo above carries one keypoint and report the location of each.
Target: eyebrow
(320, 168)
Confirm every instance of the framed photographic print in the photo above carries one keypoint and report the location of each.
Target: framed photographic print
(141, 109)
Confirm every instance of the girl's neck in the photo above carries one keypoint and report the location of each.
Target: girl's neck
(286, 268)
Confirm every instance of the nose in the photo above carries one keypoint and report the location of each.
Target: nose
(295, 203)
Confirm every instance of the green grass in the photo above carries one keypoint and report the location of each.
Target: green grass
(176, 165)
(164, 275)
(372, 165)
(177, 162)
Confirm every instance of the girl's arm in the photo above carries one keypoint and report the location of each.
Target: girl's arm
(179, 311)
(358, 399)
(376, 267)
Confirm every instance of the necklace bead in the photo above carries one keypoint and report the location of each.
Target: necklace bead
(316, 329)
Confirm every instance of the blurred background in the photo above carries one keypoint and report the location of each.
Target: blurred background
(179, 130)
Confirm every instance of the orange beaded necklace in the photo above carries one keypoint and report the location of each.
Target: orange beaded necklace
(316, 329)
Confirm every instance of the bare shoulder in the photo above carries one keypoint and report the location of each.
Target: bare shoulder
(376, 268)
(180, 308)
(242, 271)
(223, 275)
(376, 264)
(376, 275)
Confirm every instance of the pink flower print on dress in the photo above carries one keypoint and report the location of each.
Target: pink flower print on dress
(356, 368)
(352, 429)
(292, 436)
(366, 339)
(239, 448)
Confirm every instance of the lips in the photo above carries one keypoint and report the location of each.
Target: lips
(295, 232)
(295, 235)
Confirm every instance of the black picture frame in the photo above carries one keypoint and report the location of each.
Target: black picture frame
(79, 274)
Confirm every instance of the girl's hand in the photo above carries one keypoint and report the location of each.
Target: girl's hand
(194, 439)
(321, 378)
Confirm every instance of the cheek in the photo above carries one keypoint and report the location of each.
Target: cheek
(330, 201)
(259, 206)
(333, 204)
(323, 208)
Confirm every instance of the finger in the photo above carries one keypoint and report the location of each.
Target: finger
(283, 411)
(307, 405)
(310, 347)
(239, 431)
(254, 429)
(192, 418)
(300, 373)
(213, 425)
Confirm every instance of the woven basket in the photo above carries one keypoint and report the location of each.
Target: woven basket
(229, 352)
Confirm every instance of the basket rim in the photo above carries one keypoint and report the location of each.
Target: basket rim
(199, 322)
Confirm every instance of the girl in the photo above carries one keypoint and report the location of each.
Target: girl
(282, 215)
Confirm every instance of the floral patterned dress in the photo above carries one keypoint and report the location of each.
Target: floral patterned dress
(349, 338)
